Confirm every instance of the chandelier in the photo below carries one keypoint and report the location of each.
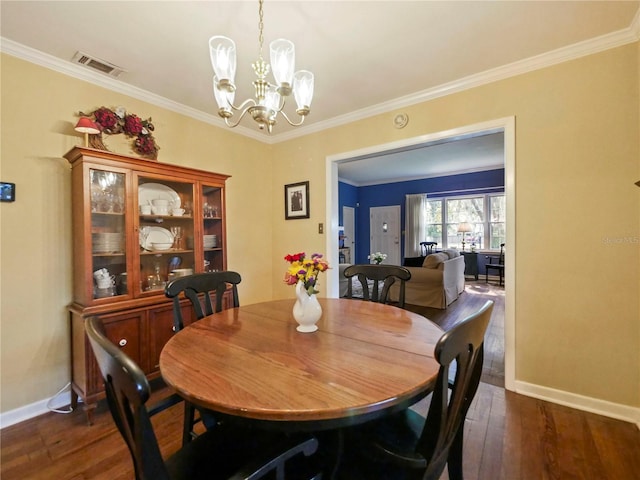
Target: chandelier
(269, 99)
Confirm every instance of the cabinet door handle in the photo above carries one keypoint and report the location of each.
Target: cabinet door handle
(173, 329)
(122, 342)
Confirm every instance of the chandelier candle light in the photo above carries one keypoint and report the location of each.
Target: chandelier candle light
(269, 99)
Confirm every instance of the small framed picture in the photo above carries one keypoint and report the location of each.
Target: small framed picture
(296, 200)
(7, 192)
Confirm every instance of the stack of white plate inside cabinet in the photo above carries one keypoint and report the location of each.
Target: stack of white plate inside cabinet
(210, 241)
(107, 242)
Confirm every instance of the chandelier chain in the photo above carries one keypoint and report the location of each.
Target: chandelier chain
(260, 28)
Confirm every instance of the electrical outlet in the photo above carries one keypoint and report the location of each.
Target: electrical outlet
(321, 228)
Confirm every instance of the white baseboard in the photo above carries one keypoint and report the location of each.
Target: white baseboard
(59, 402)
(580, 402)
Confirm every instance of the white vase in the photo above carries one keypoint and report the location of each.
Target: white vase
(307, 310)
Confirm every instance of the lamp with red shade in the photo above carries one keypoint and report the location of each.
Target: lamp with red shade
(87, 126)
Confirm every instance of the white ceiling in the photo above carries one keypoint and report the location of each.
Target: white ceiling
(368, 57)
(462, 154)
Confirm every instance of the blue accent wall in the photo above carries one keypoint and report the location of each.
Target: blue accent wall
(347, 197)
(394, 194)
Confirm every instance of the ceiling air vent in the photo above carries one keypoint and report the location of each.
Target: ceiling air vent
(96, 64)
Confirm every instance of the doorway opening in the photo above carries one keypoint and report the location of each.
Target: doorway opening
(505, 125)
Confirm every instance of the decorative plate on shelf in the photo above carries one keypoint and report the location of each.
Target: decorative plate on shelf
(147, 192)
(154, 235)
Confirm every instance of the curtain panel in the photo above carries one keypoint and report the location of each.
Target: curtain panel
(415, 223)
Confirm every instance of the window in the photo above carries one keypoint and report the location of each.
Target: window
(485, 213)
(497, 220)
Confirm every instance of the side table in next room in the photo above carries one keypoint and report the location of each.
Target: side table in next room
(470, 263)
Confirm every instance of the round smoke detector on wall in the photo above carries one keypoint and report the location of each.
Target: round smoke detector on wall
(401, 120)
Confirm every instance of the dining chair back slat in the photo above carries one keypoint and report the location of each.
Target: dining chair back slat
(498, 265)
(427, 247)
(462, 346)
(199, 288)
(382, 277)
(407, 445)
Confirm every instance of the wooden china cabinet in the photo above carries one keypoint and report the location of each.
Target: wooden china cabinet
(124, 255)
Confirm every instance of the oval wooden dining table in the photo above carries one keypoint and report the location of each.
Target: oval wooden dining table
(365, 360)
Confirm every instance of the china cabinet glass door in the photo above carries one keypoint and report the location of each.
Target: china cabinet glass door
(166, 232)
(212, 209)
(108, 238)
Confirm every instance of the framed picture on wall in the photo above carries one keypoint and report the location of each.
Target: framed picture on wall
(296, 200)
(7, 192)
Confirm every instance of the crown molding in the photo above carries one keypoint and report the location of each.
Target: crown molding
(82, 73)
(554, 57)
(348, 182)
(588, 47)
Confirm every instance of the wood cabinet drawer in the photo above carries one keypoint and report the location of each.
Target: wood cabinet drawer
(125, 333)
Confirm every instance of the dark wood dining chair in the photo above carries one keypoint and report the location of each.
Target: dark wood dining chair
(382, 277)
(199, 288)
(427, 247)
(499, 265)
(226, 453)
(408, 446)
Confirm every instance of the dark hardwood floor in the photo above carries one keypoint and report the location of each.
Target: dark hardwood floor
(475, 295)
(507, 436)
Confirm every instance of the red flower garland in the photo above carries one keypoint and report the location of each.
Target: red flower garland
(117, 121)
(132, 125)
(105, 118)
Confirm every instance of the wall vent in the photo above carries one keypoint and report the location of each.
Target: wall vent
(96, 64)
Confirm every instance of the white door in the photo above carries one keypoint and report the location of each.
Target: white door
(384, 227)
(349, 224)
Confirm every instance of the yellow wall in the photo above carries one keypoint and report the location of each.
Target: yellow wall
(38, 116)
(577, 157)
(577, 212)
